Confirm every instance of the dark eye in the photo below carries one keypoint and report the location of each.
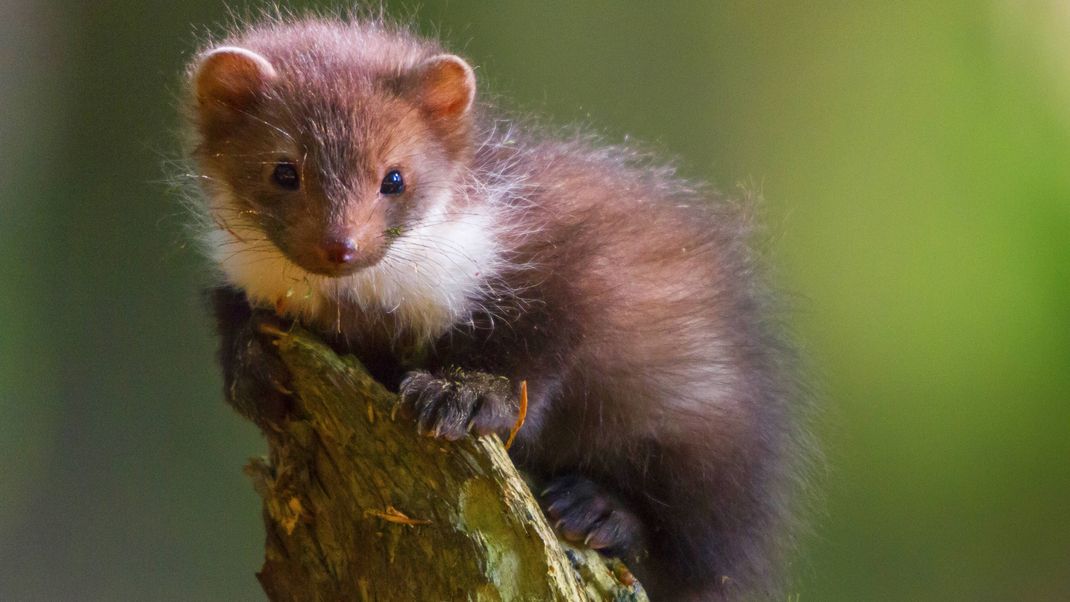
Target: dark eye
(393, 183)
(285, 176)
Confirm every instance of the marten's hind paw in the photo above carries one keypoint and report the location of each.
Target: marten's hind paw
(584, 512)
(450, 404)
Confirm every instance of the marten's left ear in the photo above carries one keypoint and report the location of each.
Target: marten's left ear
(229, 78)
(444, 86)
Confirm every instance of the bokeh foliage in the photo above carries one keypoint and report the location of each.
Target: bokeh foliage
(915, 159)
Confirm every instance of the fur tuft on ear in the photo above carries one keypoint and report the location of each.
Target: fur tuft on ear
(445, 86)
(229, 77)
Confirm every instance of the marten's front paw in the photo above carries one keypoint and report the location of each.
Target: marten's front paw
(584, 512)
(450, 404)
(255, 380)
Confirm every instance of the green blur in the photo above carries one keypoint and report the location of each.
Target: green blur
(915, 161)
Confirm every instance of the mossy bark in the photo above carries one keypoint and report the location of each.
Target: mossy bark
(357, 506)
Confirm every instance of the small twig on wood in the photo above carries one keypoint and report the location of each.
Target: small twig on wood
(393, 515)
(523, 414)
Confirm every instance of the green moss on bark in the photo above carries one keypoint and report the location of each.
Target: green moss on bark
(357, 506)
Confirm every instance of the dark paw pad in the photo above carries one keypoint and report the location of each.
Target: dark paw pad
(583, 512)
(451, 404)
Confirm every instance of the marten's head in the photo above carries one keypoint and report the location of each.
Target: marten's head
(334, 146)
(334, 156)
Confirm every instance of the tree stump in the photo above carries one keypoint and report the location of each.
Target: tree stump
(357, 506)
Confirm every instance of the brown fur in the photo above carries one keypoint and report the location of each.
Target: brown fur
(629, 300)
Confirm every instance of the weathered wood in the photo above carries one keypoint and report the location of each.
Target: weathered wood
(359, 507)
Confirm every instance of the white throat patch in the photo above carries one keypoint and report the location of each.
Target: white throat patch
(428, 280)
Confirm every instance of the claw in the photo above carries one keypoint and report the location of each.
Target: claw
(551, 488)
(270, 329)
(275, 384)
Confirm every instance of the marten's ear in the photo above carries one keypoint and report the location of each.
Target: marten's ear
(444, 86)
(231, 78)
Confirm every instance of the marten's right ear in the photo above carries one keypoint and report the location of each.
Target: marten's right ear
(229, 78)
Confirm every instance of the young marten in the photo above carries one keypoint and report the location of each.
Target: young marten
(354, 183)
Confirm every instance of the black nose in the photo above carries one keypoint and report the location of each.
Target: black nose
(340, 252)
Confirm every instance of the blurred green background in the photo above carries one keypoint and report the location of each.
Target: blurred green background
(916, 161)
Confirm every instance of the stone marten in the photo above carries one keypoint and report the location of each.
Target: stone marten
(354, 182)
